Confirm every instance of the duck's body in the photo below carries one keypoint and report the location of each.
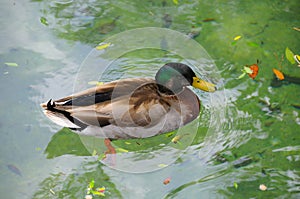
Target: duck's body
(131, 108)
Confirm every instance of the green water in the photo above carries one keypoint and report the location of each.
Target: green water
(254, 140)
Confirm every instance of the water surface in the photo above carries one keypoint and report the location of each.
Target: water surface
(254, 140)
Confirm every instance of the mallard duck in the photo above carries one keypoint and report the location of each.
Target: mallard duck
(134, 107)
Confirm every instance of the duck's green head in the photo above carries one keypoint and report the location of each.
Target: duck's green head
(175, 76)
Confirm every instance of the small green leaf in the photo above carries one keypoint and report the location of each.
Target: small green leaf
(247, 70)
(289, 55)
(162, 165)
(170, 134)
(101, 156)
(241, 76)
(235, 185)
(252, 44)
(38, 148)
(44, 21)
(11, 64)
(175, 2)
(92, 184)
(94, 152)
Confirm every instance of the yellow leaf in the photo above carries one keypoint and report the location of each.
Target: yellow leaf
(11, 64)
(101, 189)
(122, 150)
(95, 83)
(103, 46)
(162, 165)
(297, 59)
(297, 29)
(237, 37)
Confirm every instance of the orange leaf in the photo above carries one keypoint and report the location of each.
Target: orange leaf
(254, 68)
(167, 181)
(278, 74)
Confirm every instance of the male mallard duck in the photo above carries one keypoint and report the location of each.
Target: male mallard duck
(132, 108)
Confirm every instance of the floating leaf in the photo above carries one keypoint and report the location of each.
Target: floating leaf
(167, 181)
(263, 187)
(208, 19)
(101, 189)
(103, 46)
(247, 70)
(121, 150)
(241, 76)
(176, 138)
(297, 29)
(52, 192)
(38, 148)
(237, 37)
(170, 134)
(278, 74)
(175, 2)
(11, 64)
(92, 184)
(162, 165)
(297, 59)
(97, 193)
(102, 156)
(235, 185)
(44, 21)
(289, 55)
(94, 152)
(252, 44)
(95, 83)
(254, 68)
(252, 71)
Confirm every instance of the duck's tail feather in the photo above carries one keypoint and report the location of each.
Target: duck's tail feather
(61, 117)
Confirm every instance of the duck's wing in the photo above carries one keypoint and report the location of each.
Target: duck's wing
(142, 107)
(102, 93)
(129, 102)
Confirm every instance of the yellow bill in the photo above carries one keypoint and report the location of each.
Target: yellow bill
(203, 85)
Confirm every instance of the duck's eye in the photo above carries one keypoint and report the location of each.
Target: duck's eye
(198, 81)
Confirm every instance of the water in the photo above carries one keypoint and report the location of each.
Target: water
(248, 133)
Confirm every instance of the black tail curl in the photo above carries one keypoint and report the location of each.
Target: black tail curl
(51, 107)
